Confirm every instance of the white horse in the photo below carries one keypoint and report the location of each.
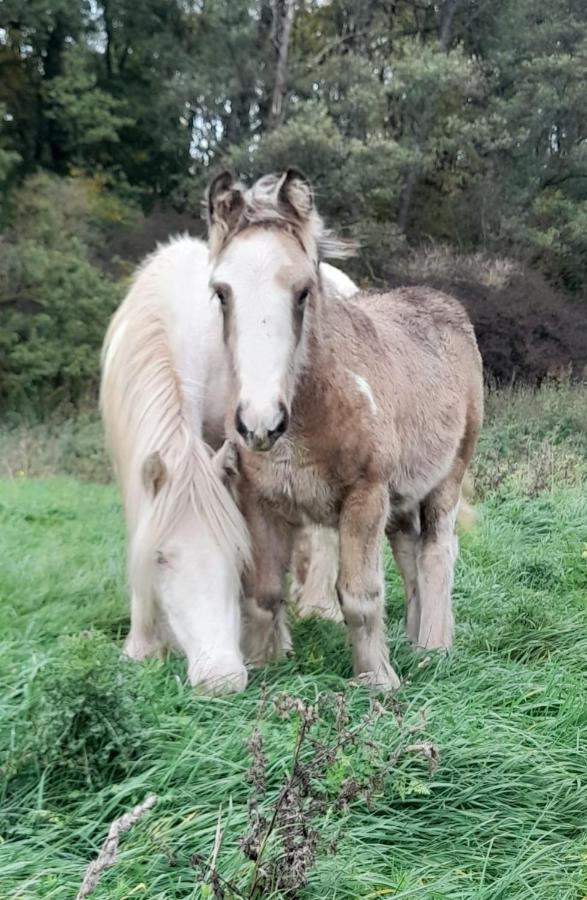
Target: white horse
(164, 396)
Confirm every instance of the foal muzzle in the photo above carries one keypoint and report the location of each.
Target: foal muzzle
(262, 439)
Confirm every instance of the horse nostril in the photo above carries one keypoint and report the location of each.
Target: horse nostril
(282, 424)
(239, 424)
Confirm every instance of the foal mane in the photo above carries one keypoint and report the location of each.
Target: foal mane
(283, 201)
(142, 406)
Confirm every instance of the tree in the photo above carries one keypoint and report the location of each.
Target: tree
(283, 17)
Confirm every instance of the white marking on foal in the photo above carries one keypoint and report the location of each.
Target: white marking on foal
(365, 389)
(263, 324)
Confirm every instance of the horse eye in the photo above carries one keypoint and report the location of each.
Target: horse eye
(302, 297)
(221, 296)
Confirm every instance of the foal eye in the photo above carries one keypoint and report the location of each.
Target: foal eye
(302, 297)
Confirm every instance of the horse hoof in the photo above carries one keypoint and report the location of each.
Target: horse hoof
(227, 677)
(139, 649)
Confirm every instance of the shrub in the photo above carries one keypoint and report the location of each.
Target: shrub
(54, 308)
(86, 717)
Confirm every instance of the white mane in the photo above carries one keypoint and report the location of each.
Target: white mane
(147, 409)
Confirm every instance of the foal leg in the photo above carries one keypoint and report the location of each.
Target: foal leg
(403, 534)
(314, 573)
(436, 560)
(360, 583)
(265, 632)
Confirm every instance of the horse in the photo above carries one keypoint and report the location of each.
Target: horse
(164, 392)
(357, 414)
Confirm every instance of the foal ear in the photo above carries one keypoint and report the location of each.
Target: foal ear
(224, 202)
(226, 462)
(154, 473)
(295, 194)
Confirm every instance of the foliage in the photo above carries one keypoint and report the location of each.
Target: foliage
(68, 444)
(83, 721)
(504, 812)
(452, 121)
(55, 306)
(55, 302)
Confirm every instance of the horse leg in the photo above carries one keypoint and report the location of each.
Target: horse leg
(403, 533)
(436, 560)
(265, 632)
(144, 639)
(314, 573)
(360, 583)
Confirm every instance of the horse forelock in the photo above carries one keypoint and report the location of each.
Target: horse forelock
(262, 208)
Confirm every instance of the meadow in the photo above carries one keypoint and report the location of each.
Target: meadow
(470, 783)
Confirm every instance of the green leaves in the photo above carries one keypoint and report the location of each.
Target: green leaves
(54, 302)
(84, 722)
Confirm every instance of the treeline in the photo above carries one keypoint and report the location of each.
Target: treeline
(459, 122)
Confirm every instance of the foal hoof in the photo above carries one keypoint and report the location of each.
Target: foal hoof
(263, 649)
(383, 680)
(221, 677)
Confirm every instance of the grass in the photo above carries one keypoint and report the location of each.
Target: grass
(85, 735)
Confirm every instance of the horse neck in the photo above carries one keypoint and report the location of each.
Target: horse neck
(324, 363)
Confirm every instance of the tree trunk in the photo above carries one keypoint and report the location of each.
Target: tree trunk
(283, 17)
(109, 38)
(53, 68)
(447, 12)
(405, 200)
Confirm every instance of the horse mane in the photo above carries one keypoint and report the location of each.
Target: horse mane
(262, 207)
(142, 403)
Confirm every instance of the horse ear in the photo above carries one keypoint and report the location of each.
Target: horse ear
(154, 473)
(224, 202)
(295, 194)
(226, 462)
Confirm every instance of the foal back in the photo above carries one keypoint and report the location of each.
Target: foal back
(433, 419)
(410, 384)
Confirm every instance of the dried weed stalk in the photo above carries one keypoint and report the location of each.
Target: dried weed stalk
(107, 855)
(283, 833)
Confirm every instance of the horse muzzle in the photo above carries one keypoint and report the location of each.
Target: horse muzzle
(261, 439)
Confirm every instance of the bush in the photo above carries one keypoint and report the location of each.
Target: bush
(87, 714)
(54, 308)
(56, 295)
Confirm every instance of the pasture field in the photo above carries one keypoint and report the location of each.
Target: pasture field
(472, 783)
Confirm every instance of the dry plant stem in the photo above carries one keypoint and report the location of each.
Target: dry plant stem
(107, 855)
(342, 739)
(284, 791)
(217, 842)
(198, 862)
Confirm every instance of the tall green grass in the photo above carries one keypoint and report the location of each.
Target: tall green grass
(85, 734)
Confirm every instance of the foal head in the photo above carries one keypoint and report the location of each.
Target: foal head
(266, 244)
